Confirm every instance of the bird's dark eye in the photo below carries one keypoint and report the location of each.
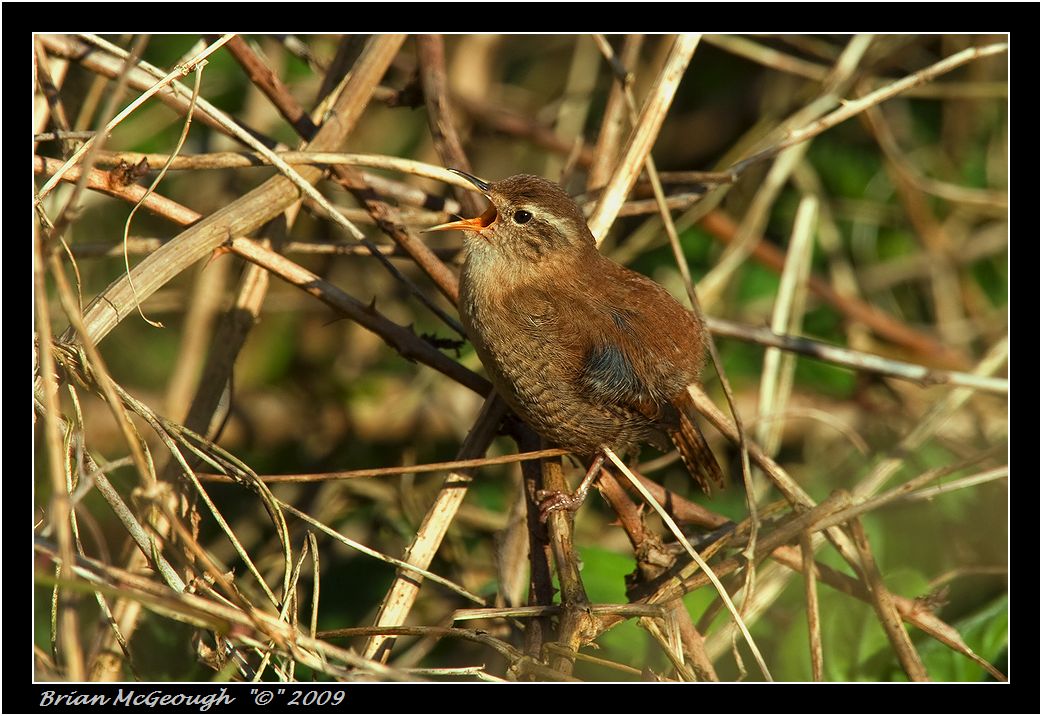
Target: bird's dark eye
(522, 217)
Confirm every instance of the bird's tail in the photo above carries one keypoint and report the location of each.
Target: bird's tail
(694, 450)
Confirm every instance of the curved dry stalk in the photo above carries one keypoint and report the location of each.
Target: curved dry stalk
(162, 172)
(245, 160)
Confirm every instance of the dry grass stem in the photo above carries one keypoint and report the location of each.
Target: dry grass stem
(642, 136)
(65, 620)
(694, 556)
(810, 585)
(787, 318)
(244, 160)
(857, 360)
(712, 286)
(198, 69)
(406, 469)
(610, 135)
(402, 594)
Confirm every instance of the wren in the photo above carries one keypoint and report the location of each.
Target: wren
(590, 354)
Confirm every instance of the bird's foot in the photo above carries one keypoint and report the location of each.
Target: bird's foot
(554, 500)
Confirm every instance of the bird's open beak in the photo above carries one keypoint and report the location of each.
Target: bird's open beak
(478, 222)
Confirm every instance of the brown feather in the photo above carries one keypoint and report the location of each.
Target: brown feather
(693, 448)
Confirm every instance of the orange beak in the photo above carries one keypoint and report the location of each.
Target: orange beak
(478, 222)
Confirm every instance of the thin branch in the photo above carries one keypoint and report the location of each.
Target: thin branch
(384, 215)
(851, 108)
(399, 336)
(612, 125)
(576, 624)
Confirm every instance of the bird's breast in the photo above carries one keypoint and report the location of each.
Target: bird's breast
(537, 371)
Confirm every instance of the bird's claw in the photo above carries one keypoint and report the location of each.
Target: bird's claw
(555, 500)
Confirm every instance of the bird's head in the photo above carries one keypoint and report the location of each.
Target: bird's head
(529, 219)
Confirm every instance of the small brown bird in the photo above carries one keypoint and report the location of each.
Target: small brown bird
(587, 352)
